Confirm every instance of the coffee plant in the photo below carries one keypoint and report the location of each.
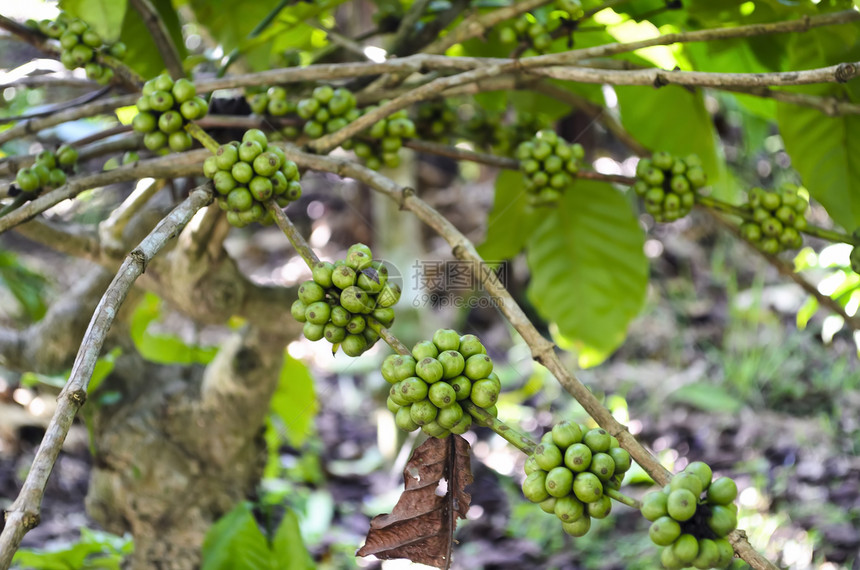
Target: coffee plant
(591, 130)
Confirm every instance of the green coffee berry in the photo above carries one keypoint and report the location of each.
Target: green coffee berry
(664, 531)
(423, 412)
(450, 415)
(429, 369)
(587, 487)
(655, 505)
(681, 504)
(599, 509)
(569, 508)
(722, 491)
(577, 528)
(534, 487)
(403, 419)
(547, 456)
(442, 394)
(424, 349)
(577, 457)
(462, 386)
(559, 481)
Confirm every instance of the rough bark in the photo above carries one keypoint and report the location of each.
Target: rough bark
(181, 448)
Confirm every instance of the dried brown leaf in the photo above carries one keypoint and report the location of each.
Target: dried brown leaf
(421, 526)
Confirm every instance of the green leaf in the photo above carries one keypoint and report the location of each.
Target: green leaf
(236, 543)
(511, 220)
(706, 397)
(288, 548)
(163, 348)
(294, 401)
(675, 120)
(588, 270)
(804, 313)
(26, 286)
(105, 16)
(143, 55)
(823, 149)
(104, 366)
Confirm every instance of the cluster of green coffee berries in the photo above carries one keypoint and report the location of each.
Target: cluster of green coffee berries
(81, 46)
(691, 517)
(248, 174)
(327, 110)
(549, 163)
(274, 102)
(428, 386)
(668, 184)
(165, 108)
(437, 120)
(538, 34)
(49, 170)
(342, 296)
(380, 144)
(569, 471)
(778, 218)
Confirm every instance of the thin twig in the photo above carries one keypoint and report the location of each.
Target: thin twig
(293, 234)
(76, 102)
(82, 112)
(161, 36)
(457, 153)
(24, 514)
(658, 77)
(163, 167)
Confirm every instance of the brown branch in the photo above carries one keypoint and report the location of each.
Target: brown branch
(84, 111)
(161, 36)
(72, 103)
(543, 351)
(169, 166)
(24, 514)
(461, 154)
(658, 77)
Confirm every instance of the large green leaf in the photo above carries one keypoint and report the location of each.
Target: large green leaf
(825, 150)
(673, 119)
(295, 401)
(511, 220)
(105, 16)
(143, 55)
(588, 270)
(235, 542)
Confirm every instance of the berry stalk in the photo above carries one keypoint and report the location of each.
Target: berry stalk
(293, 234)
(622, 498)
(203, 137)
(509, 434)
